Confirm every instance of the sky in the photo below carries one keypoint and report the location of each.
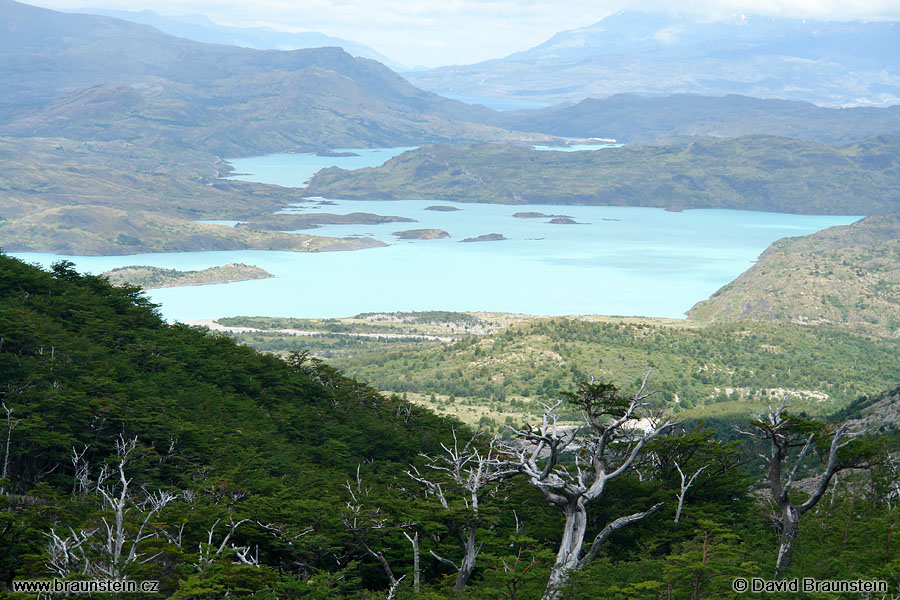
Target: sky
(440, 32)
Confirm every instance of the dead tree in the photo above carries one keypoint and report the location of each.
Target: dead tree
(785, 434)
(364, 523)
(604, 448)
(10, 425)
(686, 484)
(460, 478)
(417, 571)
(119, 541)
(209, 552)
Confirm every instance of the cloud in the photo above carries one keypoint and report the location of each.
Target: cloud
(438, 32)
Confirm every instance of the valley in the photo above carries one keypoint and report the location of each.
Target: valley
(498, 366)
(602, 322)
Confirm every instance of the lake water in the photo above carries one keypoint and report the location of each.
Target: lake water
(618, 261)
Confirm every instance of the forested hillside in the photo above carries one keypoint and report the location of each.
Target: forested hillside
(233, 434)
(238, 474)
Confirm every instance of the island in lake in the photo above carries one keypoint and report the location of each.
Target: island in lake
(488, 237)
(442, 208)
(156, 277)
(333, 154)
(422, 234)
(565, 221)
(538, 215)
(293, 222)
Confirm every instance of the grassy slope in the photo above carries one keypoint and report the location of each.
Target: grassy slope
(847, 276)
(748, 173)
(103, 231)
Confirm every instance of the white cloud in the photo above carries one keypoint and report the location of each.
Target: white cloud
(436, 32)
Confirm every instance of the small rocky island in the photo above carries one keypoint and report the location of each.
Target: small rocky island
(565, 221)
(333, 154)
(422, 234)
(442, 208)
(156, 277)
(488, 237)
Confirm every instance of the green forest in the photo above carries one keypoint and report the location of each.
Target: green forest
(719, 372)
(148, 451)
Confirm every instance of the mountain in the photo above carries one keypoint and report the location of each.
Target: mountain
(829, 63)
(683, 118)
(847, 276)
(748, 173)
(201, 29)
(90, 76)
(102, 120)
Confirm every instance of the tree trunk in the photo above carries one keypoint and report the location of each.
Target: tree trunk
(569, 550)
(470, 555)
(790, 525)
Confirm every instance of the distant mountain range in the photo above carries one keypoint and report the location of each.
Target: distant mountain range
(683, 118)
(201, 29)
(829, 63)
(95, 77)
(102, 120)
(110, 131)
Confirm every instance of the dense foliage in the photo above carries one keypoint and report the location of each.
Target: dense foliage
(285, 479)
(718, 372)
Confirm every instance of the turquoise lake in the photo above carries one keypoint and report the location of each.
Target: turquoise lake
(618, 261)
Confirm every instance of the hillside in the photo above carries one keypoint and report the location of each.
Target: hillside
(488, 368)
(234, 473)
(111, 132)
(247, 436)
(879, 412)
(115, 197)
(847, 276)
(829, 63)
(93, 77)
(683, 118)
(749, 173)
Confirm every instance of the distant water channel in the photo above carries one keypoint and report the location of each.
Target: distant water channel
(616, 261)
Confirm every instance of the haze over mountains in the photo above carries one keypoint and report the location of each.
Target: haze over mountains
(92, 77)
(201, 29)
(131, 118)
(829, 63)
